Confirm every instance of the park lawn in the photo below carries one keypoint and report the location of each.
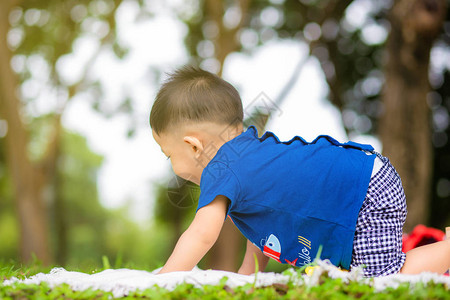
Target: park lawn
(327, 289)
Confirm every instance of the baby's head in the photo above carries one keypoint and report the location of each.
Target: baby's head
(191, 96)
(191, 111)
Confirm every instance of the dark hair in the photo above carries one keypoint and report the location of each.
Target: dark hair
(192, 94)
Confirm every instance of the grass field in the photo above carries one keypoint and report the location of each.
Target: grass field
(327, 288)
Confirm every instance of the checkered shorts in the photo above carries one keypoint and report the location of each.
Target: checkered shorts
(377, 244)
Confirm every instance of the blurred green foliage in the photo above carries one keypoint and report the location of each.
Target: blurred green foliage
(92, 230)
(42, 36)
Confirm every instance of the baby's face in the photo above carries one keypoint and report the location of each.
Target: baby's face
(181, 154)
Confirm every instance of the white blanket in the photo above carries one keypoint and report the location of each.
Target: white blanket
(123, 281)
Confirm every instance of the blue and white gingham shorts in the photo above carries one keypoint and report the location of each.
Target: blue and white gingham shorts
(377, 244)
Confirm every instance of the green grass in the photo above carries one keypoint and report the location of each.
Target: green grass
(328, 289)
(12, 269)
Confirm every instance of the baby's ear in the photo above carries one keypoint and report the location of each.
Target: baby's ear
(195, 144)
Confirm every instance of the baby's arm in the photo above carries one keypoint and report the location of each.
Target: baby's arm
(248, 265)
(199, 237)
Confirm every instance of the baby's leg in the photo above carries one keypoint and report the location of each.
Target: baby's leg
(432, 258)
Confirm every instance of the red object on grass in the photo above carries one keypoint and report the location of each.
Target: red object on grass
(421, 235)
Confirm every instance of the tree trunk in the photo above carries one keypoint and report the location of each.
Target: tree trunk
(226, 41)
(61, 253)
(27, 183)
(53, 173)
(405, 127)
(225, 254)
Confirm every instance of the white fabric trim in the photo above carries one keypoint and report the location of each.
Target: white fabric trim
(377, 164)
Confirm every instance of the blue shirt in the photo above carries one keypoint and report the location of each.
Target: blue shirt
(290, 198)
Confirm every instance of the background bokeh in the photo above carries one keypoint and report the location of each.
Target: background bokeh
(81, 177)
